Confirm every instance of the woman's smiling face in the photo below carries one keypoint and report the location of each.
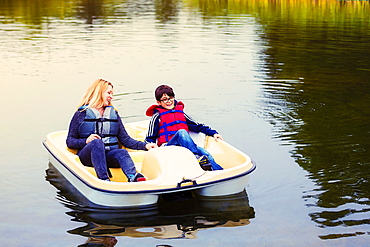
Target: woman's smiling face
(108, 96)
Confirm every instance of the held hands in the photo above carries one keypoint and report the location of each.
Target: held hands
(218, 137)
(150, 146)
(92, 137)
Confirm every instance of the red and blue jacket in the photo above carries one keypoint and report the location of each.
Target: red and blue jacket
(165, 123)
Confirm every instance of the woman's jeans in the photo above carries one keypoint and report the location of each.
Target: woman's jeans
(95, 155)
(183, 139)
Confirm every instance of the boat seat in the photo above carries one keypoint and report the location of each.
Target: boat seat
(170, 165)
(117, 174)
(73, 151)
(138, 156)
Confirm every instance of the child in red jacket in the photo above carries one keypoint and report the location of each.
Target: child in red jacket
(170, 125)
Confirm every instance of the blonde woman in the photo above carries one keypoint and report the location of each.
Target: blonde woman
(96, 130)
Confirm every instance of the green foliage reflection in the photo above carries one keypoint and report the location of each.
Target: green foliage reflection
(294, 10)
(36, 12)
(318, 93)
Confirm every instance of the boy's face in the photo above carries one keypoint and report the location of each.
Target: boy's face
(167, 102)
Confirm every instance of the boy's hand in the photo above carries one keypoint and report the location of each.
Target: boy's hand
(218, 137)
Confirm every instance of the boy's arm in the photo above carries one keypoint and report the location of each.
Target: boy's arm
(199, 127)
(153, 129)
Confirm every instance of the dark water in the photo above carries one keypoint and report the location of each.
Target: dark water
(286, 82)
(319, 90)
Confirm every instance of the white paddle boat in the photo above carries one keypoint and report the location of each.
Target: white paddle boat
(168, 169)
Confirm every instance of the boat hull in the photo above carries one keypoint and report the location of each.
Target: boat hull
(228, 187)
(103, 197)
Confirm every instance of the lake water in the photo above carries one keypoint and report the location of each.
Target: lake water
(287, 82)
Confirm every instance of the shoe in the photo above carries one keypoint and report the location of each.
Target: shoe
(138, 177)
(203, 160)
(204, 163)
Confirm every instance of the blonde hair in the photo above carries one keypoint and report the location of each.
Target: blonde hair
(93, 97)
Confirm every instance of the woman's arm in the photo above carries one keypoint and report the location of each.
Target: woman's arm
(126, 140)
(73, 139)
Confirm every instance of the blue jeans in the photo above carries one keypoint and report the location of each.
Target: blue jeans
(95, 155)
(183, 139)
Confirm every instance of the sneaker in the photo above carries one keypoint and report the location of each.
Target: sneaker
(138, 177)
(204, 163)
(203, 160)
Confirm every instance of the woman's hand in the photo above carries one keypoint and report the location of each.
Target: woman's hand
(92, 137)
(218, 137)
(150, 146)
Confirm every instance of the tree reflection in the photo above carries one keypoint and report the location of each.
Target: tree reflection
(36, 12)
(90, 10)
(318, 96)
(166, 10)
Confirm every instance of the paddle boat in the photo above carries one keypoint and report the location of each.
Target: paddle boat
(173, 217)
(169, 169)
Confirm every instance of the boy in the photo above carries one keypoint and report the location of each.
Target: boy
(169, 125)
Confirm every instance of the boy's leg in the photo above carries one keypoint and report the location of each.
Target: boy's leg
(93, 155)
(203, 151)
(183, 139)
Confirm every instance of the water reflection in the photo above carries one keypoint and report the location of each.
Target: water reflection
(166, 10)
(316, 94)
(315, 83)
(35, 13)
(90, 10)
(104, 241)
(176, 216)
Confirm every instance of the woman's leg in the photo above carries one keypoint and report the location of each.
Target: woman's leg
(93, 155)
(121, 158)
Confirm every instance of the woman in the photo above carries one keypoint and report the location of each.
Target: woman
(96, 130)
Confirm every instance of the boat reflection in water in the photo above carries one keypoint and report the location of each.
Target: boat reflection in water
(175, 215)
